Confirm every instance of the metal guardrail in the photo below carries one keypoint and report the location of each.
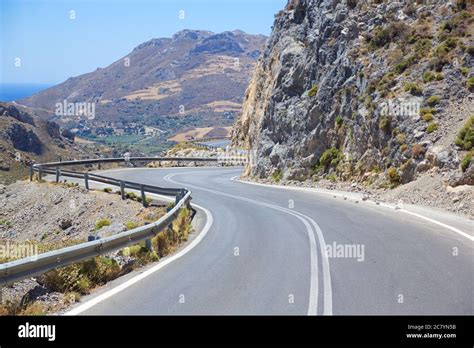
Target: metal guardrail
(13, 271)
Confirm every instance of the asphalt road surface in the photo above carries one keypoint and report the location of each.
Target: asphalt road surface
(263, 255)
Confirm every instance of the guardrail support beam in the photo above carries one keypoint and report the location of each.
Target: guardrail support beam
(58, 174)
(142, 191)
(31, 172)
(86, 180)
(40, 174)
(122, 189)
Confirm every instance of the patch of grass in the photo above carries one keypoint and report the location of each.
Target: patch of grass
(331, 177)
(433, 100)
(401, 66)
(102, 223)
(413, 88)
(5, 223)
(339, 121)
(313, 91)
(277, 175)
(464, 70)
(470, 84)
(466, 161)
(427, 117)
(432, 127)
(81, 277)
(131, 195)
(429, 76)
(384, 123)
(130, 225)
(107, 190)
(424, 111)
(385, 35)
(465, 136)
(401, 138)
(393, 176)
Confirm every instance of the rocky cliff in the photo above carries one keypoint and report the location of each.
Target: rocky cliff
(378, 92)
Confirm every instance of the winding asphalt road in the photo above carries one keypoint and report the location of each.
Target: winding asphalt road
(263, 255)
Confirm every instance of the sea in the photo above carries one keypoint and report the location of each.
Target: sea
(15, 91)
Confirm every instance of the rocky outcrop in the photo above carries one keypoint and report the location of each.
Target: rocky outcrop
(24, 140)
(347, 89)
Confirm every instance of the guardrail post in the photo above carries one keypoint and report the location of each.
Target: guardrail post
(31, 172)
(58, 173)
(86, 180)
(40, 174)
(122, 189)
(142, 191)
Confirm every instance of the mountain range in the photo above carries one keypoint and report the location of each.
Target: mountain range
(195, 78)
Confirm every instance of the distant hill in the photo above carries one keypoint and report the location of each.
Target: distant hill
(194, 79)
(25, 139)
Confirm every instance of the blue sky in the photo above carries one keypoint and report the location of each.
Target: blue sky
(53, 47)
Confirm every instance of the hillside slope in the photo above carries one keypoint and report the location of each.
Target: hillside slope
(25, 139)
(376, 93)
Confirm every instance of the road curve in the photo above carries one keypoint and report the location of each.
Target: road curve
(262, 255)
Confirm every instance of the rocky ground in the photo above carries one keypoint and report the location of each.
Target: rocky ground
(430, 190)
(50, 216)
(53, 213)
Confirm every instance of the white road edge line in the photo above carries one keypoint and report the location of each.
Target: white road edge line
(439, 223)
(85, 306)
(314, 286)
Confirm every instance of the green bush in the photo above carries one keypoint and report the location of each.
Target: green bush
(429, 76)
(464, 70)
(470, 84)
(312, 92)
(466, 161)
(339, 120)
(465, 137)
(403, 65)
(131, 195)
(433, 100)
(331, 177)
(401, 138)
(427, 117)
(413, 88)
(432, 127)
(424, 111)
(130, 225)
(331, 157)
(107, 190)
(384, 124)
(5, 223)
(384, 35)
(393, 175)
(277, 175)
(101, 223)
